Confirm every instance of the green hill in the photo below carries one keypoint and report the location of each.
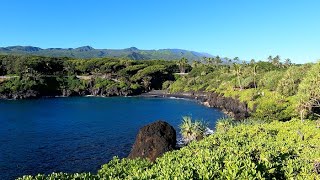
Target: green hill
(87, 52)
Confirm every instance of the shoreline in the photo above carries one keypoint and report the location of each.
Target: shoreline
(230, 106)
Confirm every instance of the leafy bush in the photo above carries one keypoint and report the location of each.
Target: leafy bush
(166, 85)
(288, 85)
(124, 169)
(149, 71)
(279, 150)
(309, 92)
(270, 80)
(131, 70)
(272, 106)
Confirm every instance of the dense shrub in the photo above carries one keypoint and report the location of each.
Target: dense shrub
(270, 80)
(288, 85)
(309, 92)
(279, 150)
(272, 106)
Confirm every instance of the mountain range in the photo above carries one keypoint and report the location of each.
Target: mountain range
(86, 52)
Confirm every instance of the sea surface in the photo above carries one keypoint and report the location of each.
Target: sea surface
(80, 134)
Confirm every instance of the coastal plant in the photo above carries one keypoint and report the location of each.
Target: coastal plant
(124, 169)
(224, 124)
(192, 130)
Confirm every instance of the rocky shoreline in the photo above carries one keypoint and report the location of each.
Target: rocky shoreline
(98, 92)
(232, 107)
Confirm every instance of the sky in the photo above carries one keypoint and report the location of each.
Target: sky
(248, 29)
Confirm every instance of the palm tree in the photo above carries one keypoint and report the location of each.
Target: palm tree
(287, 62)
(195, 64)
(270, 58)
(276, 61)
(217, 60)
(208, 60)
(236, 59)
(182, 63)
(147, 82)
(254, 73)
(227, 59)
(237, 71)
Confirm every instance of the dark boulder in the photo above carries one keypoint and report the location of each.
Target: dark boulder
(153, 140)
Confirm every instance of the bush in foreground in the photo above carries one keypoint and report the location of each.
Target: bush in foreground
(279, 150)
(190, 130)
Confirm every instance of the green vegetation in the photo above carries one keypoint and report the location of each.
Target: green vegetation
(272, 90)
(278, 150)
(277, 143)
(191, 131)
(45, 76)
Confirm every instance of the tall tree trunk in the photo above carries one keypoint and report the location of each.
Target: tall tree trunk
(239, 82)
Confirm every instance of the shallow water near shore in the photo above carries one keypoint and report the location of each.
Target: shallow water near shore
(82, 133)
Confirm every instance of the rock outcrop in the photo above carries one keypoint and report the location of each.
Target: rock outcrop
(153, 140)
(232, 106)
(29, 94)
(237, 109)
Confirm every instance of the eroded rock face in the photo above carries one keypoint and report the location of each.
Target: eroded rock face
(29, 94)
(238, 109)
(153, 140)
(235, 108)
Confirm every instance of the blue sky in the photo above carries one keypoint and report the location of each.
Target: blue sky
(244, 28)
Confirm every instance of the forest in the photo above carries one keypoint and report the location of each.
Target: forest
(34, 76)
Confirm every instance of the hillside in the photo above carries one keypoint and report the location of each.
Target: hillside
(87, 52)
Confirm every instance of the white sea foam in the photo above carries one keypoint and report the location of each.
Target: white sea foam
(208, 131)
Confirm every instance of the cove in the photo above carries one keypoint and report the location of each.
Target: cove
(80, 134)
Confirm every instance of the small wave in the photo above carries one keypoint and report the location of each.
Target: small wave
(60, 96)
(208, 131)
(176, 98)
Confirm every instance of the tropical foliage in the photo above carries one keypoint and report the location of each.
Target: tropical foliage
(190, 130)
(49, 76)
(272, 90)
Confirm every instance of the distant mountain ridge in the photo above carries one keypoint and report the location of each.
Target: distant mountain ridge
(86, 52)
